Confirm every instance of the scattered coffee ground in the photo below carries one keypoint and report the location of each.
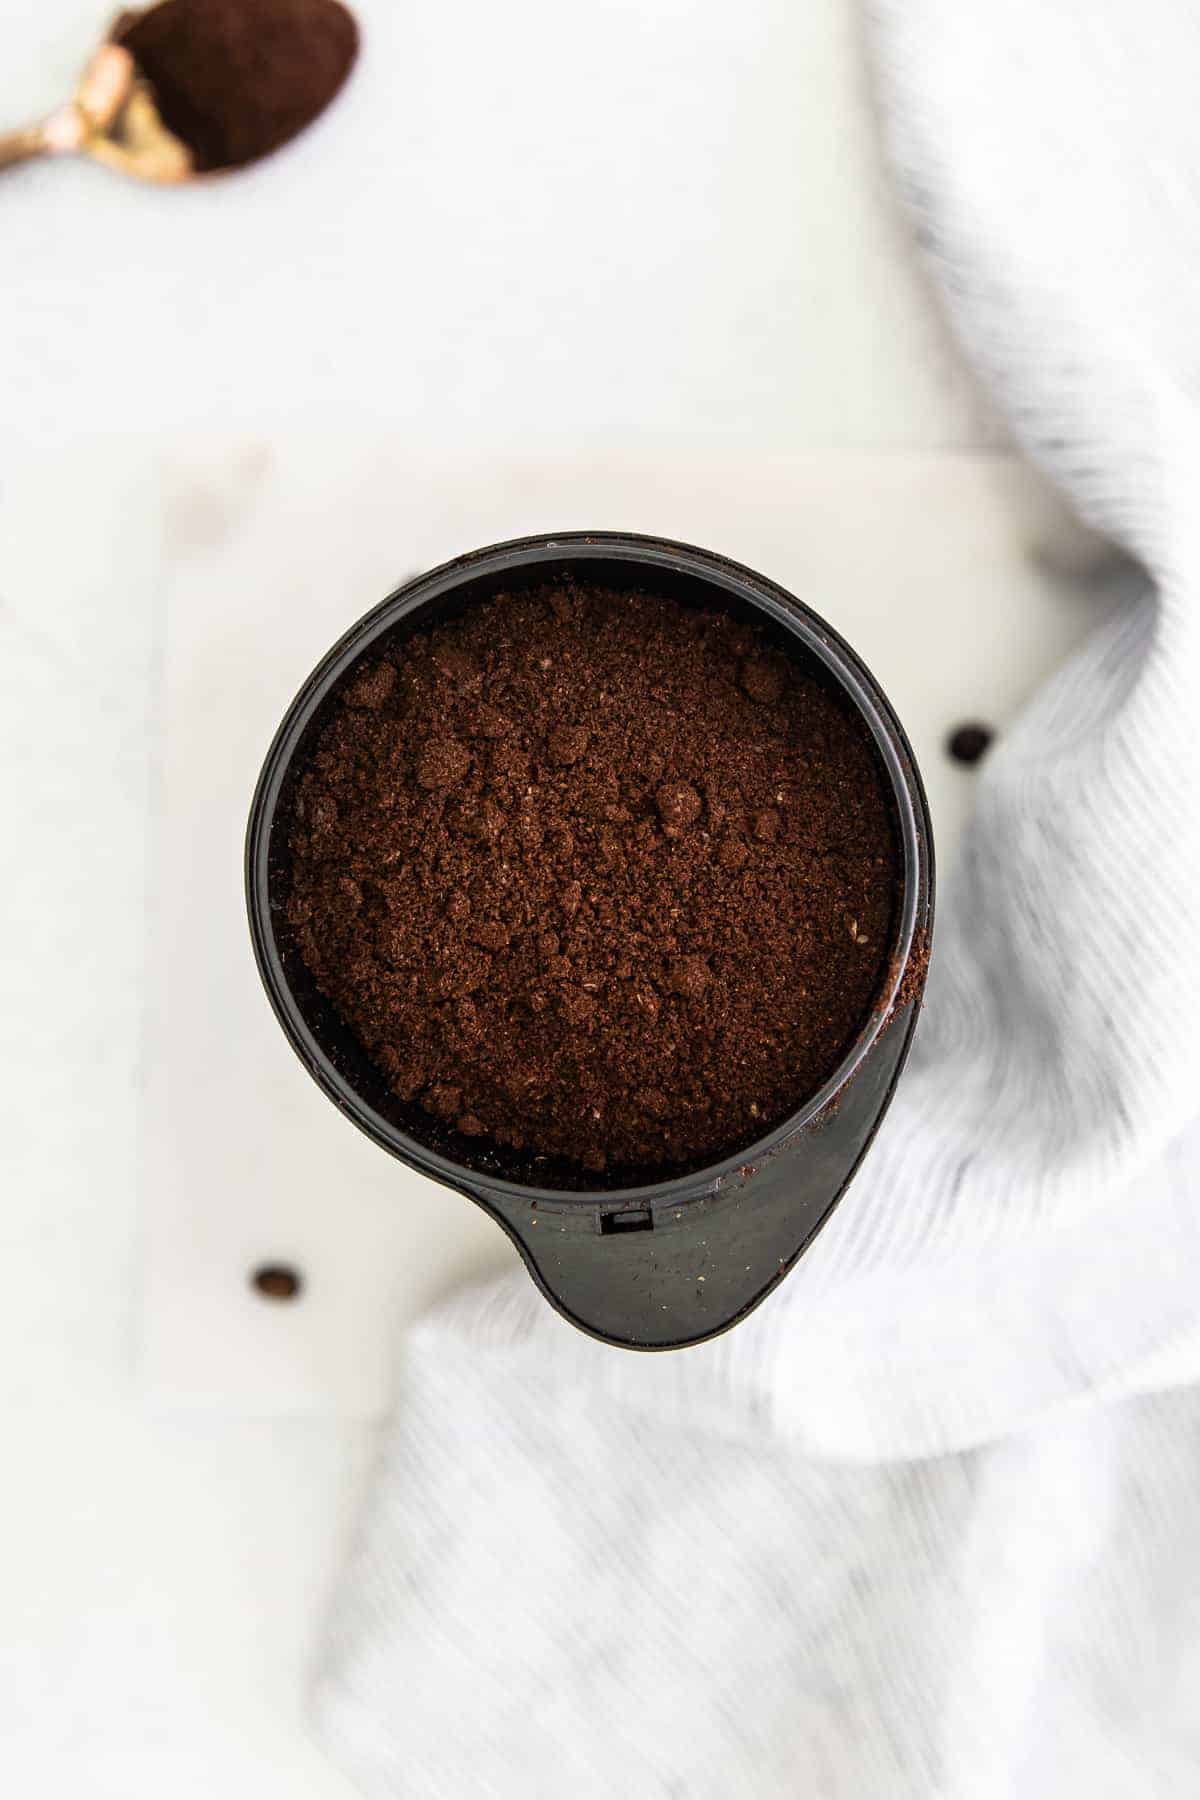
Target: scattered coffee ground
(235, 79)
(969, 743)
(594, 875)
(276, 1281)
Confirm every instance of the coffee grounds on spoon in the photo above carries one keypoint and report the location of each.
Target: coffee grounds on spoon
(596, 876)
(236, 79)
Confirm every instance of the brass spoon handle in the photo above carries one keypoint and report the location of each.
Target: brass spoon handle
(59, 135)
(103, 91)
(22, 146)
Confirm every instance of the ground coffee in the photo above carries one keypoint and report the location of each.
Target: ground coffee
(235, 79)
(595, 875)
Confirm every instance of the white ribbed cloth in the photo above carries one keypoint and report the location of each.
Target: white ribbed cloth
(920, 1526)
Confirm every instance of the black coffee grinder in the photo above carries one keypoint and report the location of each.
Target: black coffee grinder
(654, 1265)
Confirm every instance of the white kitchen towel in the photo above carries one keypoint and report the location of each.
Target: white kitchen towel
(563, 1598)
(590, 1572)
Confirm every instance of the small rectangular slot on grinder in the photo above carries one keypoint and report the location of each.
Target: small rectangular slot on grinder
(637, 1219)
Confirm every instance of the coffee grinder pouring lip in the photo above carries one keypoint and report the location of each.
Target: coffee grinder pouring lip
(663, 1263)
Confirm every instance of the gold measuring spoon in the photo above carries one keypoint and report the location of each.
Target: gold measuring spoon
(277, 64)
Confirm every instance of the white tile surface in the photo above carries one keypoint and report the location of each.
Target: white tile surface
(158, 1579)
(272, 550)
(613, 259)
(533, 224)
